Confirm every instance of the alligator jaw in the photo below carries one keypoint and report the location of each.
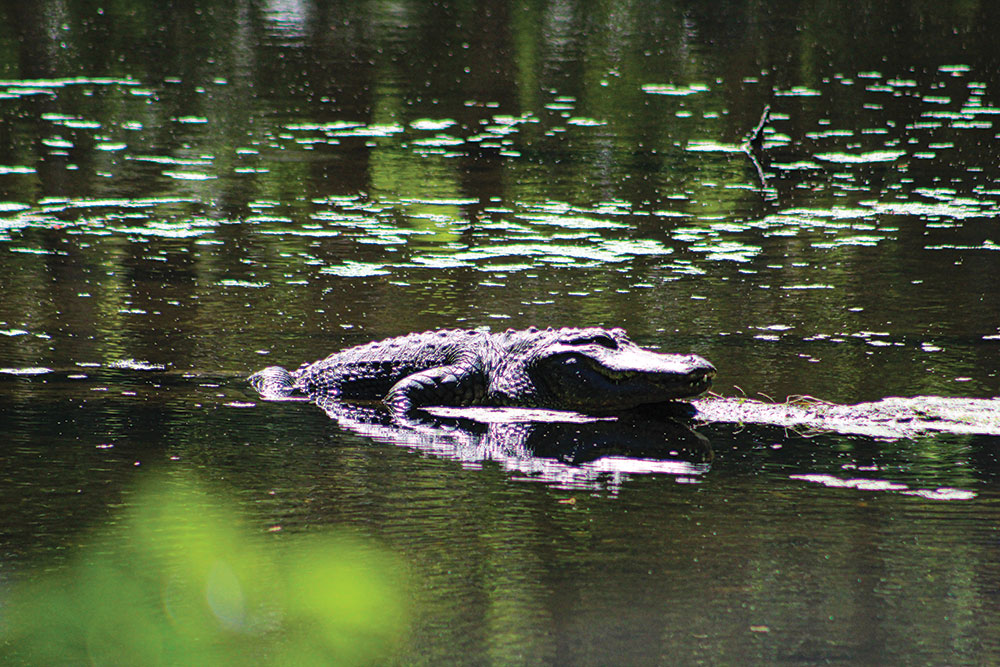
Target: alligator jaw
(678, 376)
(591, 383)
(699, 381)
(669, 385)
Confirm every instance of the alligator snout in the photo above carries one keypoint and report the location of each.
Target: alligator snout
(702, 374)
(704, 369)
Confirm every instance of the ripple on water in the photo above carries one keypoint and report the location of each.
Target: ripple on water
(29, 370)
(881, 485)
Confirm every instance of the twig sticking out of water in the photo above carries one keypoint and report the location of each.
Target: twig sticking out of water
(755, 141)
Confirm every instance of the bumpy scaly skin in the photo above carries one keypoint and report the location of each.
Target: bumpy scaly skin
(589, 370)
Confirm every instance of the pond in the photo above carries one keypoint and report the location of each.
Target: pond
(191, 193)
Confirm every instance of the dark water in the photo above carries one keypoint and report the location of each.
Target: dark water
(191, 192)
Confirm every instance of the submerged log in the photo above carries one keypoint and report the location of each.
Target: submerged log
(892, 417)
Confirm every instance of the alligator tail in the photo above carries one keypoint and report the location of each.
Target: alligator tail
(273, 383)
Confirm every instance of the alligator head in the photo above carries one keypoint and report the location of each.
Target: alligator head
(601, 370)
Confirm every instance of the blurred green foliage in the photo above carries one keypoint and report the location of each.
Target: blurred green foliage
(179, 580)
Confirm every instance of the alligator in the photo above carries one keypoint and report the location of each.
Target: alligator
(592, 370)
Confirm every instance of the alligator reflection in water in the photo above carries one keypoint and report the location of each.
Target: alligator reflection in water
(576, 450)
(562, 448)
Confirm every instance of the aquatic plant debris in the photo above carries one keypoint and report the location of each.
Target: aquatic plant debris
(136, 365)
(860, 158)
(889, 418)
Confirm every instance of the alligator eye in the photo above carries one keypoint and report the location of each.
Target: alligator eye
(601, 340)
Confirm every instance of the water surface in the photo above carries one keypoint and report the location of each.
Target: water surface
(264, 183)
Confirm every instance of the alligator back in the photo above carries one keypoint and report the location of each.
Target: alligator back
(370, 371)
